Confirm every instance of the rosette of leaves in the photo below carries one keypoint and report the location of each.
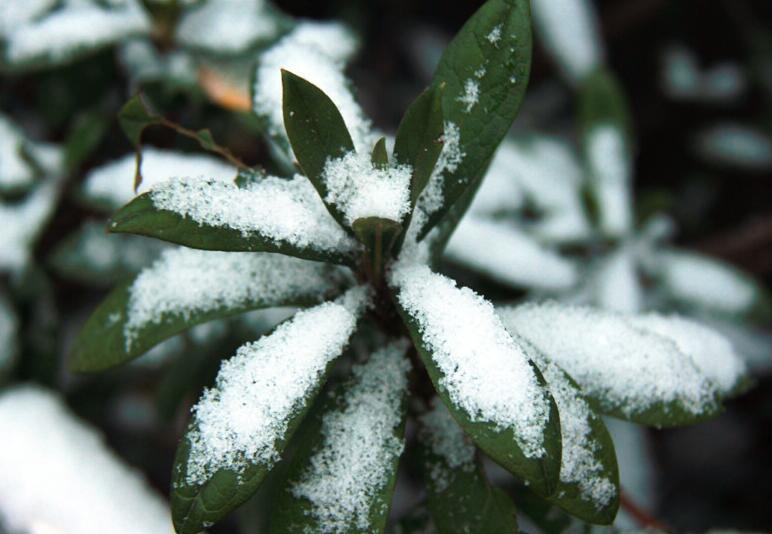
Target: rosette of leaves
(352, 240)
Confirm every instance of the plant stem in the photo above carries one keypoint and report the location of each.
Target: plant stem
(214, 147)
(643, 517)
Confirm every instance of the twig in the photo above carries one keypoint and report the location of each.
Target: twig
(644, 518)
(196, 136)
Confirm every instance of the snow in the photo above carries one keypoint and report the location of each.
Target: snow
(238, 422)
(683, 79)
(736, 144)
(15, 14)
(59, 476)
(509, 255)
(15, 172)
(112, 184)
(9, 325)
(627, 368)
(74, 27)
(484, 370)
(276, 209)
(359, 447)
(359, 189)
(316, 52)
(447, 441)
(227, 26)
(705, 283)
(609, 167)
(616, 283)
(570, 32)
(184, 282)
(711, 352)
(495, 35)
(471, 93)
(579, 462)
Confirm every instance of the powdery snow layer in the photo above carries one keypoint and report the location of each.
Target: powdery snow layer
(316, 52)
(509, 255)
(484, 370)
(227, 26)
(569, 30)
(610, 170)
(280, 210)
(615, 283)
(579, 463)
(359, 190)
(58, 475)
(112, 184)
(626, 367)
(359, 447)
(711, 351)
(737, 145)
(15, 14)
(77, 26)
(705, 283)
(447, 441)
(267, 382)
(14, 171)
(185, 281)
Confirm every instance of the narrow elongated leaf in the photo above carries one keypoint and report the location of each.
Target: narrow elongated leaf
(241, 427)
(271, 215)
(459, 497)
(342, 477)
(187, 287)
(315, 129)
(482, 374)
(485, 71)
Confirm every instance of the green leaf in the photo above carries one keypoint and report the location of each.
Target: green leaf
(602, 101)
(548, 518)
(316, 131)
(378, 235)
(418, 142)
(344, 470)
(142, 217)
(134, 117)
(85, 134)
(380, 156)
(458, 494)
(485, 70)
(110, 337)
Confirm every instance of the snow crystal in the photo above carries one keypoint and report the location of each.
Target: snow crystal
(616, 283)
(579, 463)
(113, 183)
(15, 172)
(611, 173)
(570, 32)
(495, 35)
(626, 367)
(228, 26)
(259, 390)
(705, 283)
(509, 255)
(316, 52)
(277, 209)
(483, 369)
(9, 325)
(359, 189)
(448, 442)
(736, 144)
(58, 475)
(76, 26)
(471, 94)
(186, 281)
(711, 352)
(359, 447)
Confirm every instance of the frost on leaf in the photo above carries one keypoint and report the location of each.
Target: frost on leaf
(609, 166)
(484, 371)
(359, 189)
(279, 210)
(569, 29)
(184, 282)
(226, 26)
(509, 255)
(356, 458)
(316, 52)
(112, 185)
(628, 370)
(447, 442)
(58, 475)
(239, 421)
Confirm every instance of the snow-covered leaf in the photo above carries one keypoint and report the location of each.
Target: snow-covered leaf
(342, 476)
(629, 372)
(483, 375)
(16, 173)
(485, 70)
(186, 287)
(458, 494)
(270, 215)
(110, 186)
(241, 426)
(509, 255)
(743, 146)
